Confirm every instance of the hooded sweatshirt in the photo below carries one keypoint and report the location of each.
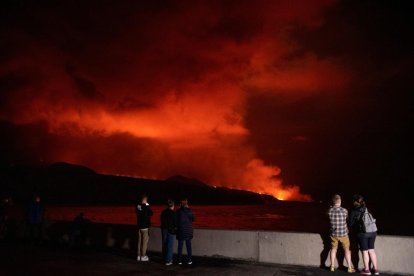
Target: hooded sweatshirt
(355, 221)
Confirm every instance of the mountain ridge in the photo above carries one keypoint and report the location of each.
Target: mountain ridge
(65, 183)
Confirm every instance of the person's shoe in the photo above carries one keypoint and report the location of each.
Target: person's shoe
(376, 272)
(365, 272)
(190, 262)
(332, 268)
(139, 258)
(168, 263)
(144, 259)
(351, 269)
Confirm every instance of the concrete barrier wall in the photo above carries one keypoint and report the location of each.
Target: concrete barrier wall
(291, 248)
(394, 253)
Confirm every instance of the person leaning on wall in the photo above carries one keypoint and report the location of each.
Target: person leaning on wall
(366, 237)
(339, 232)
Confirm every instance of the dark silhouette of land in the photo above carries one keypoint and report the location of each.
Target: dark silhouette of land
(63, 183)
(67, 184)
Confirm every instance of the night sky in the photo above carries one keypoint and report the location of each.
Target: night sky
(297, 99)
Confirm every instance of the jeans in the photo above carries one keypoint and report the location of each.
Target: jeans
(180, 249)
(167, 245)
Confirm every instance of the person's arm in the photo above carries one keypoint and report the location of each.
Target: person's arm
(353, 218)
(175, 221)
(172, 228)
(162, 218)
(150, 213)
(191, 215)
(43, 212)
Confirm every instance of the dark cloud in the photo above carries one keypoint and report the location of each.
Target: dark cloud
(85, 87)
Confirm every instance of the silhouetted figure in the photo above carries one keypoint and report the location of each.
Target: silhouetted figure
(185, 220)
(10, 217)
(35, 216)
(339, 232)
(366, 237)
(79, 231)
(144, 214)
(4, 217)
(168, 231)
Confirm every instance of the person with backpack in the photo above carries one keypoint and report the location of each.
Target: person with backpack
(339, 232)
(363, 224)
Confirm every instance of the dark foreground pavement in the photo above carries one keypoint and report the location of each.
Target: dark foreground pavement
(23, 259)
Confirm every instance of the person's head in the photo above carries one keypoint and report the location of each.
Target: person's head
(336, 200)
(170, 204)
(37, 198)
(184, 202)
(144, 198)
(358, 200)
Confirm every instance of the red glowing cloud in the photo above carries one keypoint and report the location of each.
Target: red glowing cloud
(165, 90)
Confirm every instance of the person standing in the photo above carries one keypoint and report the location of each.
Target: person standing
(79, 231)
(35, 216)
(168, 231)
(185, 220)
(4, 217)
(339, 232)
(366, 238)
(144, 214)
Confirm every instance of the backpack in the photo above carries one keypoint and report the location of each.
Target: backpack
(367, 222)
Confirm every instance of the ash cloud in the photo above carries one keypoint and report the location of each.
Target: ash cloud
(155, 89)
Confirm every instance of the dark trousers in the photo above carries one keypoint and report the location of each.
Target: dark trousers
(180, 249)
(35, 232)
(167, 245)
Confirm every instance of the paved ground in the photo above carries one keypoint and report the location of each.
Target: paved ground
(23, 259)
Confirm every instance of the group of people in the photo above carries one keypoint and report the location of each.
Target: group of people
(34, 215)
(178, 225)
(340, 221)
(174, 225)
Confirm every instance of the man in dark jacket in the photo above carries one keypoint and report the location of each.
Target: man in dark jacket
(144, 214)
(168, 231)
(185, 220)
(35, 215)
